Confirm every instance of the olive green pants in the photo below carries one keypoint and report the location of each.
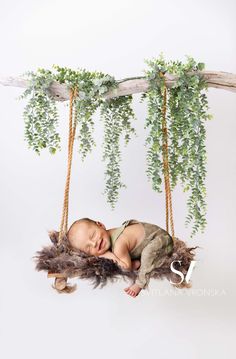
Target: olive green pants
(153, 256)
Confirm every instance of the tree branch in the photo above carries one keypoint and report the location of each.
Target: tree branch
(128, 86)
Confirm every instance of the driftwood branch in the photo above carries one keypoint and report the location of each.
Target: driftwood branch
(221, 80)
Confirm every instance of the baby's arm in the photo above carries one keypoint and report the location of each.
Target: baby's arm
(143, 276)
(120, 262)
(122, 252)
(135, 264)
(121, 256)
(152, 256)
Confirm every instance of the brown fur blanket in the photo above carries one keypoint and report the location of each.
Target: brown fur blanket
(101, 270)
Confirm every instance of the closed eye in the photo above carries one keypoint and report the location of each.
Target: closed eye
(87, 248)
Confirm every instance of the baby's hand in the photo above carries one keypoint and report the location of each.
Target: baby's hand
(107, 254)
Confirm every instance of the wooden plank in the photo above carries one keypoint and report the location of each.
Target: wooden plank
(61, 275)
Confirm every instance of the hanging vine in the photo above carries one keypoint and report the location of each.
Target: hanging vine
(116, 114)
(187, 110)
(41, 117)
(40, 114)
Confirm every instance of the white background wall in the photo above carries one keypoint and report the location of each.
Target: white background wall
(113, 37)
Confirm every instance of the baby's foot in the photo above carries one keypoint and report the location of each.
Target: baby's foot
(133, 290)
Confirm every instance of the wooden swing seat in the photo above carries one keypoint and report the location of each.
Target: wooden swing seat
(61, 275)
(60, 281)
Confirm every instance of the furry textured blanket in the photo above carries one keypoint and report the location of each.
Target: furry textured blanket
(100, 270)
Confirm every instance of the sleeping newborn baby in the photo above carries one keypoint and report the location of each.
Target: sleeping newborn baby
(133, 246)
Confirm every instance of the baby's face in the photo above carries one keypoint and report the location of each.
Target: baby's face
(91, 238)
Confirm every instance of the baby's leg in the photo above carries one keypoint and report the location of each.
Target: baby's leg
(134, 289)
(153, 256)
(147, 259)
(148, 256)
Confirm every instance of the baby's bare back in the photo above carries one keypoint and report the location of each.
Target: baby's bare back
(130, 238)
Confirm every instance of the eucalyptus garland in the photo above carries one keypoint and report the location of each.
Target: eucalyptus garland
(40, 114)
(116, 114)
(41, 117)
(186, 112)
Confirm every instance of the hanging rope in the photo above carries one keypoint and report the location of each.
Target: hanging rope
(166, 164)
(72, 130)
(71, 137)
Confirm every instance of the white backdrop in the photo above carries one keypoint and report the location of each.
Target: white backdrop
(113, 37)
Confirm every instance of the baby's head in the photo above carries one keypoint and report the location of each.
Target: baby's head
(89, 236)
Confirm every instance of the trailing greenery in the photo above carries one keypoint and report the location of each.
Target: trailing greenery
(40, 114)
(186, 113)
(116, 114)
(41, 117)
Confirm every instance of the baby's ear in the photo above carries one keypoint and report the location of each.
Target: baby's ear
(54, 236)
(101, 224)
